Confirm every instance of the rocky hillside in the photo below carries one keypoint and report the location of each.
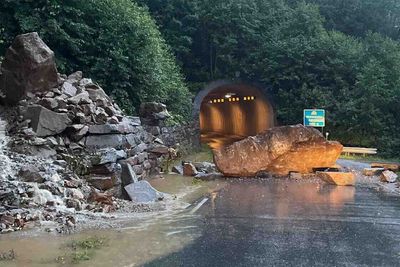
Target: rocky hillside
(69, 148)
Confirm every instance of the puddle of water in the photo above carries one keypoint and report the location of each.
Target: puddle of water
(133, 243)
(187, 189)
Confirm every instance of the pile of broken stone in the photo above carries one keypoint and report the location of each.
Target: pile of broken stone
(385, 171)
(70, 148)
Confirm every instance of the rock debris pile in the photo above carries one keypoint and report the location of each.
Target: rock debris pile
(69, 147)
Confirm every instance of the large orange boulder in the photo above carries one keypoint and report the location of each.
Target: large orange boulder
(279, 150)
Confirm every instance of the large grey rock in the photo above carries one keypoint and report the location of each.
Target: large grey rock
(123, 128)
(82, 98)
(46, 122)
(68, 89)
(29, 66)
(143, 192)
(158, 149)
(152, 113)
(75, 78)
(50, 103)
(96, 94)
(104, 156)
(105, 141)
(128, 175)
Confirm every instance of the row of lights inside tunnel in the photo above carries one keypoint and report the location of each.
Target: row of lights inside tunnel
(231, 99)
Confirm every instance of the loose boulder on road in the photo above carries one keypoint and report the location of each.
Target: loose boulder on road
(279, 150)
(338, 178)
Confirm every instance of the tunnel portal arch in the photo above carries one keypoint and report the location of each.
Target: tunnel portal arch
(229, 111)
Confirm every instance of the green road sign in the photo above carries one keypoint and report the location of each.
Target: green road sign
(314, 117)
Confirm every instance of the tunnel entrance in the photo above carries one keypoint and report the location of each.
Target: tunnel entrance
(229, 112)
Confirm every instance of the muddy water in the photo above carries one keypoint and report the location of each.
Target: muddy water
(140, 239)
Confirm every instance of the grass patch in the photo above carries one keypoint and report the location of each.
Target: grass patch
(196, 181)
(89, 243)
(81, 250)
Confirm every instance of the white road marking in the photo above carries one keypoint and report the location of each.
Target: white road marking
(198, 206)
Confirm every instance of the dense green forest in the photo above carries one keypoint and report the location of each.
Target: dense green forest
(341, 55)
(334, 54)
(116, 42)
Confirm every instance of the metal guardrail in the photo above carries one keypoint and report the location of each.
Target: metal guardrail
(359, 150)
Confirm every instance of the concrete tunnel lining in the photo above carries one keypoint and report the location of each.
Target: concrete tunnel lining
(238, 118)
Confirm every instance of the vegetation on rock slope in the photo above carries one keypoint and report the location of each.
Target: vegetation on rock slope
(114, 41)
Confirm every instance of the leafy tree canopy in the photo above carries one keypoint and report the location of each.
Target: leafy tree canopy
(114, 41)
(339, 55)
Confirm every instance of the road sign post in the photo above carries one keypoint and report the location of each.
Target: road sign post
(314, 118)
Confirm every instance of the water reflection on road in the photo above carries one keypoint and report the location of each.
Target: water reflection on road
(294, 223)
(246, 222)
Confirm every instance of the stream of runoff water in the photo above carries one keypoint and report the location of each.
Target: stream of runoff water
(6, 164)
(133, 242)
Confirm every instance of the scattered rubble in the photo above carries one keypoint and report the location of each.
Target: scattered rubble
(388, 177)
(69, 148)
(387, 166)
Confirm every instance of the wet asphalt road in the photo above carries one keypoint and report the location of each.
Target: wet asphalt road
(293, 223)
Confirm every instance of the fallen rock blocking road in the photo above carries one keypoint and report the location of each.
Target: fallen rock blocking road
(387, 166)
(389, 177)
(338, 178)
(279, 150)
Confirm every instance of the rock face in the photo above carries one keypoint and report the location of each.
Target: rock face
(338, 178)
(279, 150)
(29, 66)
